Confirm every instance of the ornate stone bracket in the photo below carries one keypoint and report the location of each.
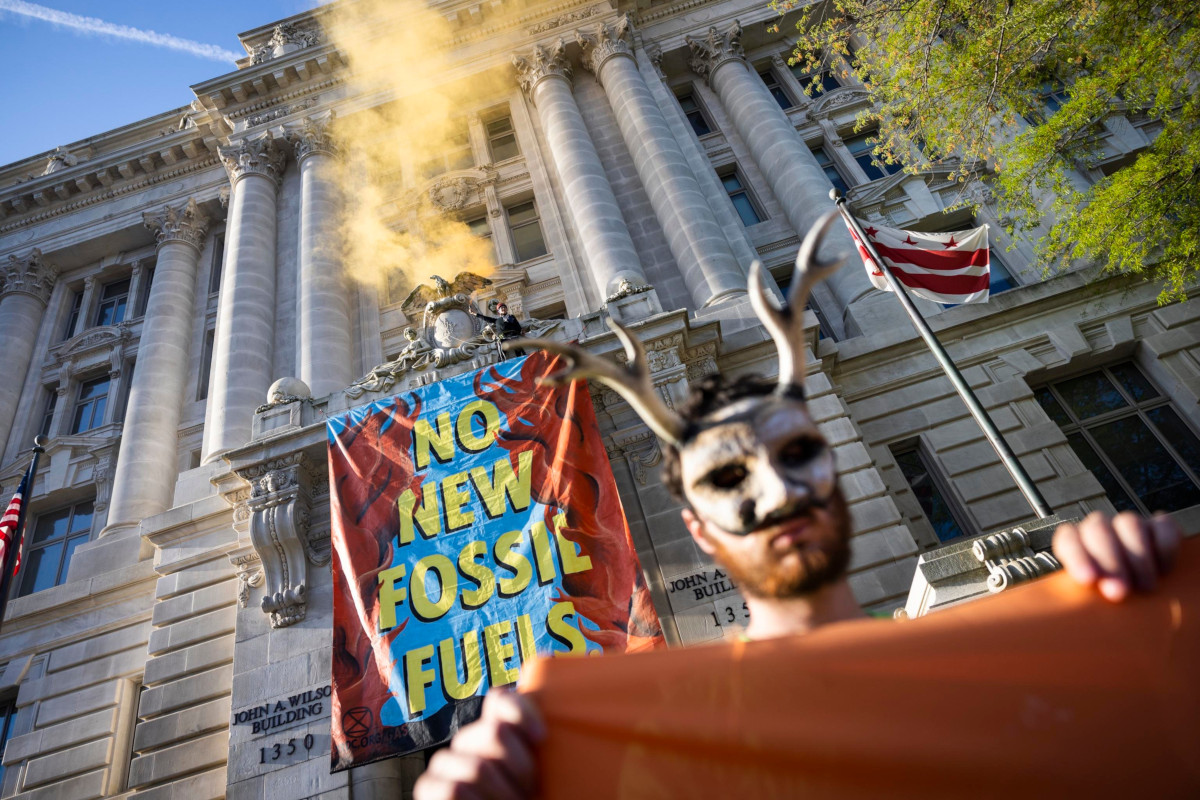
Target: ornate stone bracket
(249, 573)
(280, 507)
(1010, 559)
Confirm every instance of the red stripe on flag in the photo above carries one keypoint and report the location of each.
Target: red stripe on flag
(944, 284)
(930, 259)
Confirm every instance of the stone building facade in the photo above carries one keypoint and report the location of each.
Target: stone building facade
(159, 279)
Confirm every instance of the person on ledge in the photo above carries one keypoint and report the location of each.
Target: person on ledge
(508, 327)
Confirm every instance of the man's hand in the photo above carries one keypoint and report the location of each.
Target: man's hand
(1119, 554)
(490, 759)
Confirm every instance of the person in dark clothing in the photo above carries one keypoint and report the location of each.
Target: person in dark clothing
(508, 327)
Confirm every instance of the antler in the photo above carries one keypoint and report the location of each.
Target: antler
(631, 381)
(786, 325)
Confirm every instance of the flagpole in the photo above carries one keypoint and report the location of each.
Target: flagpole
(1007, 457)
(13, 551)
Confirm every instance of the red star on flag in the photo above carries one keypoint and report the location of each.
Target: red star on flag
(871, 232)
(909, 240)
(951, 243)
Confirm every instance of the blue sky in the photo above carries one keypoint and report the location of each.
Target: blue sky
(61, 84)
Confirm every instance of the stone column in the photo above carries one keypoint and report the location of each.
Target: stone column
(326, 361)
(795, 177)
(545, 76)
(242, 347)
(27, 283)
(143, 483)
(709, 267)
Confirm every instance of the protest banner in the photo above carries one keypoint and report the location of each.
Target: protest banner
(475, 522)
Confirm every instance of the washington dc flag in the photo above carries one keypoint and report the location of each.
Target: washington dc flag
(943, 267)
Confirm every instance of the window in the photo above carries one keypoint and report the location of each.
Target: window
(73, 317)
(89, 410)
(860, 147)
(214, 272)
(144, 292)
(502, 140)
(457, 153)
(830, 168)
(776, 90)
(695, 114)
(55, 537)
(1052, 95)
(816, 83)
(206, 355)
(113, 299)
(1127, 434)
(925, 487)
(526, 231)
(8, 714)
(479, 227)
(741, 199)
(1001, 279)
(48, 414)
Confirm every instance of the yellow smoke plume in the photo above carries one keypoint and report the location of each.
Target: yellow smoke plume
(413, 128)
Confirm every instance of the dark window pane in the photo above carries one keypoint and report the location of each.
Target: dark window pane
(73, 319)
(81, 520)
(861, 148)
(113, 298)
(1119, 497)
(214, 275)
(479, 227)
(1090, 395)
(830, 169)
(52, 526)
(502, 141)
(745, 209)
(48, 415)
(40, 569)
(1000, 280)
(1051, 407)
(1145, 464)
(776, 90)
(1134, 382)
(72, 543)
(695, 116)
(529, 242)
(936, 509)
(1178, 434)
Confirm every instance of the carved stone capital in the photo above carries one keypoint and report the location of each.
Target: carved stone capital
(606, 41)
(715, 48)
(258, 156)
(185, 223)
(280, 510)
(314, 136)
(31, 275)
(544, 61)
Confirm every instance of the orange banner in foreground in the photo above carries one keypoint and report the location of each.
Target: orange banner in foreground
(1046, 690)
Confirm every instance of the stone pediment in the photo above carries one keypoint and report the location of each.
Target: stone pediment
(838, 98)
(92, 341)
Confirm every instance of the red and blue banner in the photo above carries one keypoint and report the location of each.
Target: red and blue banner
(475, 523)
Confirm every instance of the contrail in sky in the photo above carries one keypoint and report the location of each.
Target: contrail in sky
(99, 26)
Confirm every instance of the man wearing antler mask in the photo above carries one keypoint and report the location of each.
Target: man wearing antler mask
(760, 490)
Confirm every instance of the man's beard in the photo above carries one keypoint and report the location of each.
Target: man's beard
(765, 575)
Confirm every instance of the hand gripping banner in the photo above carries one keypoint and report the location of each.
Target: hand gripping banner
(475, 522)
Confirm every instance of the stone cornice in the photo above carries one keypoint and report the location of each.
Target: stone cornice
(544, 61)
(185, 223)
(90, 178)
(606, 41)
(30, 275)
(260, 155)
(715, 48)
(313, 136)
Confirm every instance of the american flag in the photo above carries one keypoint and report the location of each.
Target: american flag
(943, 267)
(10, 526)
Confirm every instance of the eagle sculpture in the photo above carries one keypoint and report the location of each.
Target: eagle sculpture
(418, 299)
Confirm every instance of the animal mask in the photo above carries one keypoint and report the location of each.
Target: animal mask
(760, 460)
